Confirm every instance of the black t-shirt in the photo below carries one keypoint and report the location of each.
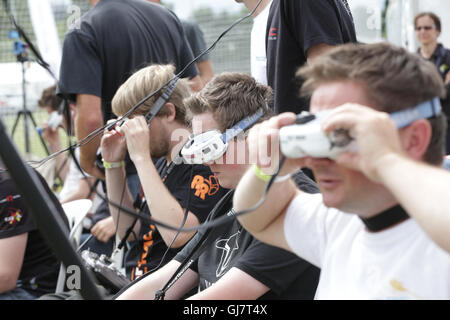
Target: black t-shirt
(287, 276)
(293, 27)
(39, 272)
(115, 39)
(196, 40)
(199, 194)
(441, 59)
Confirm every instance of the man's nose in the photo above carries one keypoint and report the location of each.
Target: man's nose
(311, 162)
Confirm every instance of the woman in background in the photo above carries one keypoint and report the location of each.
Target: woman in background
(428, 29)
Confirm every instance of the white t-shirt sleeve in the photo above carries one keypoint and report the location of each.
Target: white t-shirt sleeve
(307, 225)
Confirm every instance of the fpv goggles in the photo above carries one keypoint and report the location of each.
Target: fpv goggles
(213, 144)
(306, 137)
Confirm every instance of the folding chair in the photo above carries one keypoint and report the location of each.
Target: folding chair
(75, 211)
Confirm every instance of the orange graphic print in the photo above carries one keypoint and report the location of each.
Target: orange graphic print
(204, 187)
(148, 242)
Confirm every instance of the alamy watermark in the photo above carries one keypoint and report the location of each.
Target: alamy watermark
(74, 17)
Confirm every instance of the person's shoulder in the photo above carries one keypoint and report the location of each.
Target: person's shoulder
(312, 206)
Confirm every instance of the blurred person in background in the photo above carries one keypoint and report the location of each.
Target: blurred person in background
(428, 29)
(28, 266)
(258, 56)
(114, 39)
(76, 184)
(196, 39)
(299, 31)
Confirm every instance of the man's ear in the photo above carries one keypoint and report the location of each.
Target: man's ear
(416, 138)
(172, 112)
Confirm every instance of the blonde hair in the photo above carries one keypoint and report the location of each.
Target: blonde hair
(144, 82)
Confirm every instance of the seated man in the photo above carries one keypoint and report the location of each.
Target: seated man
(169, 192)
(233, 264)
(356, 231)
(77, 185)
(28, 266)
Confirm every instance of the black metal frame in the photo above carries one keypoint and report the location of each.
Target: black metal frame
(44, 213)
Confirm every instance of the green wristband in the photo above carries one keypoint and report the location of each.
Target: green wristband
(113, 165)
(266, 177)
(261, 175)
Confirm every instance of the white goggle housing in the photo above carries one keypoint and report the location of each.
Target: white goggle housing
(203, 148)
(306, 138)
(298, 141)
(211, 145)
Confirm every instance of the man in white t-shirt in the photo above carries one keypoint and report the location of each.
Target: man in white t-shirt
(357, 230)
(258, 56)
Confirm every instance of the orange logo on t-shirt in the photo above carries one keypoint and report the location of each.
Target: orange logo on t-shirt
(141, 268)
(204, 186)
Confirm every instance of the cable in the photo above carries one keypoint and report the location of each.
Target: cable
(96, 132)
(186, 213)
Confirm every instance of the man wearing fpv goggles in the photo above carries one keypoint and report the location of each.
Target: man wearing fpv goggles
(232, 264)
(185, 194)
(358, 230)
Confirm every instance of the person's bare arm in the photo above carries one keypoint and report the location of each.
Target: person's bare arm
(12, 251)
(114, 151)
(427, 201)
(206, 71)
(162, 204)
(88, 119)
(266, 222)
(54, 141)
(234, 285)
(197, 83)
(82, 192)
(104, 229)
(146, 288)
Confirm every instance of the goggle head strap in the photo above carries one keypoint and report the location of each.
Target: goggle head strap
(241, 126)
(425, 110)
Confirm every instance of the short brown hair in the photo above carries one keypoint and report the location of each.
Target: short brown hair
(434, 17)
(231, 97)
(144, 82)
(393, 78)
(50, 99)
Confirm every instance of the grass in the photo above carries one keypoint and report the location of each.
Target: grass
(35, 145)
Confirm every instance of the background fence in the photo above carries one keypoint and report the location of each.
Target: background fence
(231, 54)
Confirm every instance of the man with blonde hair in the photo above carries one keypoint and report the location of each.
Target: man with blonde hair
(170, 193)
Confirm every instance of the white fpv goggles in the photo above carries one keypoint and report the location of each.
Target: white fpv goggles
(306, 137)
(211, 145)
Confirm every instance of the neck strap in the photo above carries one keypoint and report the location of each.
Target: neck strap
(386, 219)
